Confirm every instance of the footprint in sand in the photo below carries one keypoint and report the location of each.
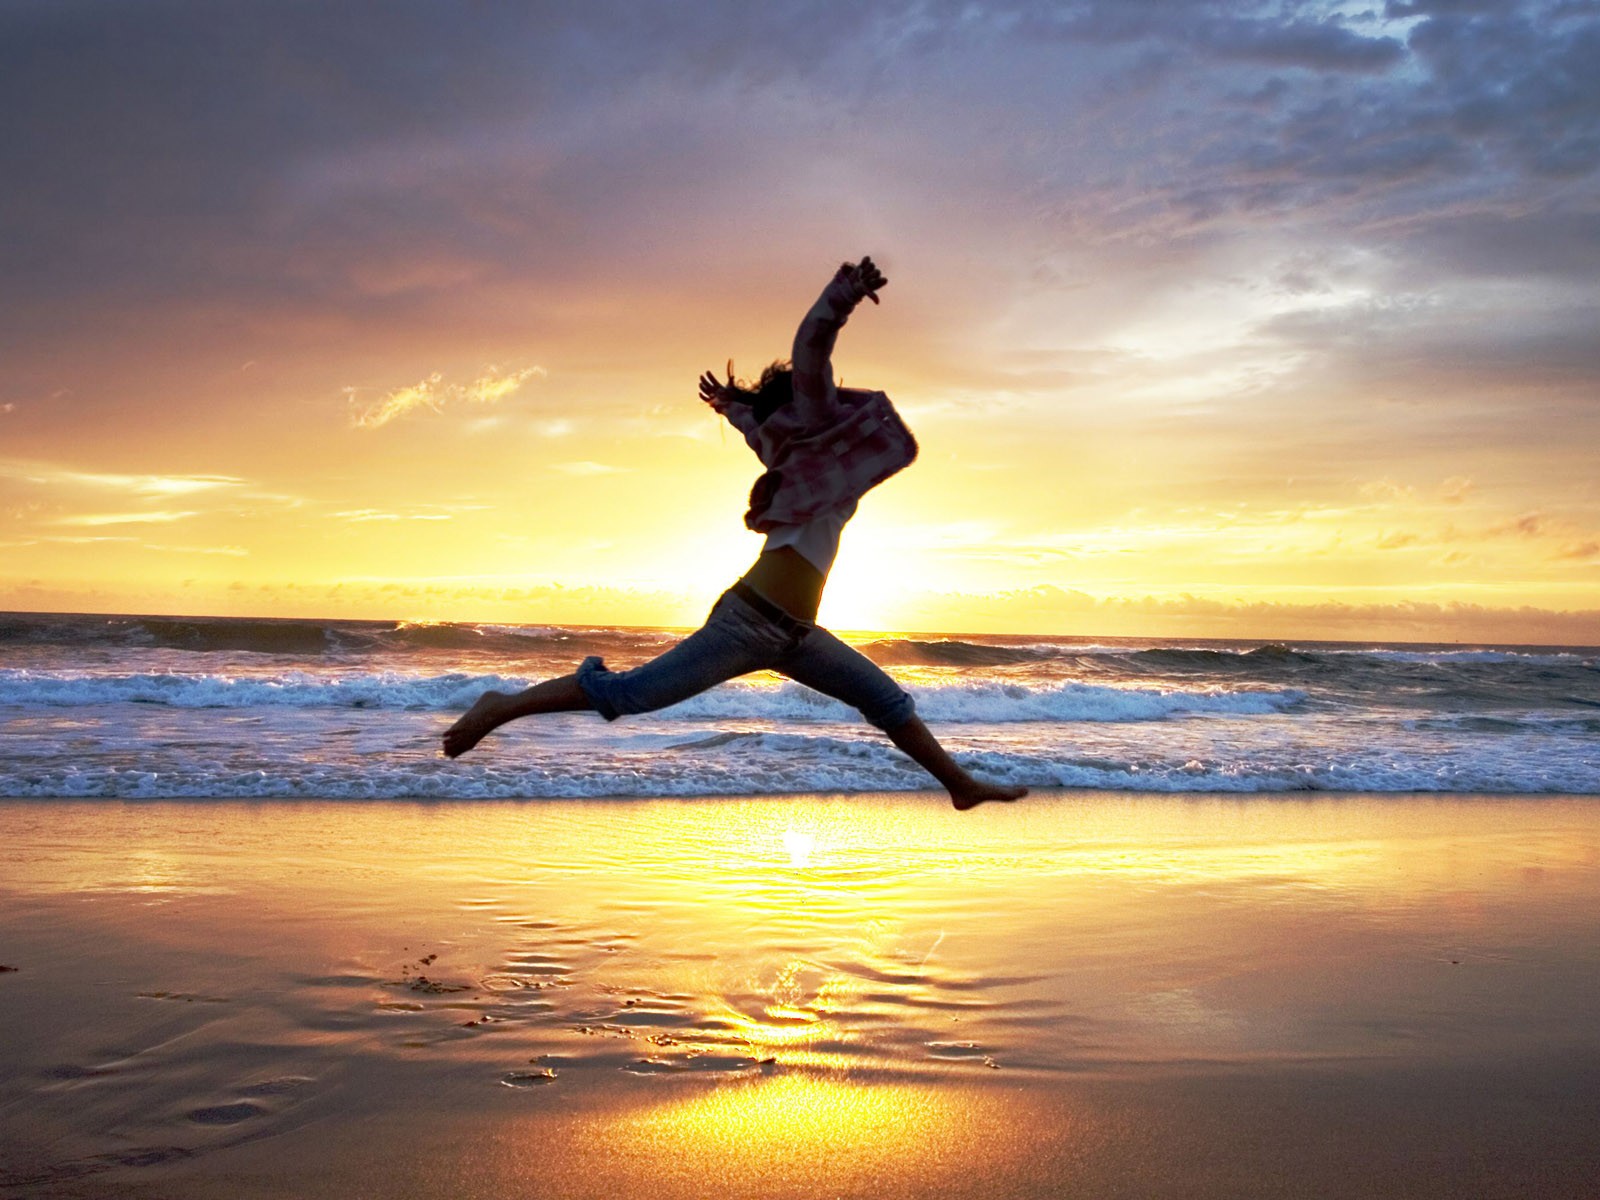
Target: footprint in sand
(56, 1174)
(243, 1110)
(226, 1114)
(523, 1079)
(281, 1086)
(715, 1064)
(962, 1052)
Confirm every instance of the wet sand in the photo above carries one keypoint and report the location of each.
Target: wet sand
(1084, 994)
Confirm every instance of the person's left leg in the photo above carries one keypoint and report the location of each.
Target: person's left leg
(734, 641)
(966, 790)
(493, 709)
(824, 663)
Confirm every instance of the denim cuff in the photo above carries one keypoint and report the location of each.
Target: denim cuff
(894, 716)
(592, 673)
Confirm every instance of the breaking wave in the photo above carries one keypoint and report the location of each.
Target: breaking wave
(735, 763)
(985, 701)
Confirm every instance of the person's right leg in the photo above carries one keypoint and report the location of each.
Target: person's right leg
(824, 663)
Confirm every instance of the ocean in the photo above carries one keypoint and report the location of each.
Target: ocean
(152, 707)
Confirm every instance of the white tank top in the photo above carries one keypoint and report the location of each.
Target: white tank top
(817, 541)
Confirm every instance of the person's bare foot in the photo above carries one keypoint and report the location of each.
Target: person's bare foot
(485, 716)
(967, 797)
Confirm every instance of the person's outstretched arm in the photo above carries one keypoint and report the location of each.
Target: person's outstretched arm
(814, 389)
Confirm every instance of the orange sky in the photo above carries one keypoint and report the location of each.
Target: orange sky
(1248, 340)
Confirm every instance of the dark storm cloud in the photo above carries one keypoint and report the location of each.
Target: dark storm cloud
(183, 88)
(144, 140)
(1521, 79)
(1379, 115)
(1411, 133)
(140, 133)
(269, 154)
(150, 145)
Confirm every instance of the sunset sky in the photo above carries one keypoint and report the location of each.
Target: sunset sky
(1212, 319)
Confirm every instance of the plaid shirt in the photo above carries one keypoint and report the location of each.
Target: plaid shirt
(829, 446)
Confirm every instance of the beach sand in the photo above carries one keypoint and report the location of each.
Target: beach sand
(1080, 995)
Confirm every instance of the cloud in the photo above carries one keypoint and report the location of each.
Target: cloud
(124, 518)
(1270, 36)
(373, 514)
(586, 467)
(1445, 115)
(1520, 76)
(1527, 525)
(28, 471)
(99, 539)
(433, 393)
(1324, 45)
(226, 551)
(493, 387)
(396, 403)
(1386, 490)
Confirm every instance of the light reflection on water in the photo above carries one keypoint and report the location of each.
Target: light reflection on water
(858, 934)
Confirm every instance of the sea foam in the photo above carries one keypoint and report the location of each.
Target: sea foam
(971, 700)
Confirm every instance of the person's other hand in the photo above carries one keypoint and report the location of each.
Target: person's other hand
(713, 391)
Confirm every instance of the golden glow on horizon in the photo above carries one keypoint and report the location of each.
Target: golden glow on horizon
(478, 500)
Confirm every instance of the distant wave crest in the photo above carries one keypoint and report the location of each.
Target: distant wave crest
(306, 639)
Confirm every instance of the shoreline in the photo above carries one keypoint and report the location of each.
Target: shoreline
(1041, 793)
(847, 994)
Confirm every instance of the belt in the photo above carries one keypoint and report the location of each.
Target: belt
(793, 626)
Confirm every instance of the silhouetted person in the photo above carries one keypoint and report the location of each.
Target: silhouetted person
(824, 448)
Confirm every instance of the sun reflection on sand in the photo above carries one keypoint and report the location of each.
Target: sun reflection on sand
(799, 844)
(793, 1023)
(843, 1128)
(800, 1135)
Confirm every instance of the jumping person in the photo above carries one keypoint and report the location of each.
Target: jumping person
(824, 448)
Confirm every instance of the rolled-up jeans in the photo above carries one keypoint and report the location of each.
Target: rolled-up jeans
(735, 640)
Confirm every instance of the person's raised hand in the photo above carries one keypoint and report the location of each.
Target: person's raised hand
(866, 276)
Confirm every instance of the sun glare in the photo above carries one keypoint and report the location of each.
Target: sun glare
(799, 845)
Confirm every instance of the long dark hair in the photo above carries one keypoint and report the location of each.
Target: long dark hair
(771, 392)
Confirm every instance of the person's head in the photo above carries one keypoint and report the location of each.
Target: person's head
(771, 392)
